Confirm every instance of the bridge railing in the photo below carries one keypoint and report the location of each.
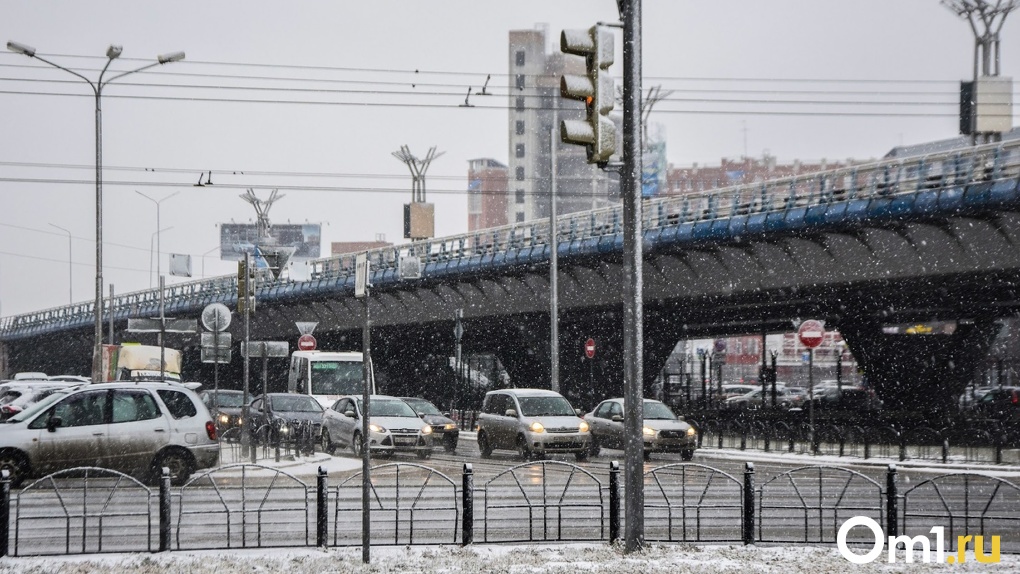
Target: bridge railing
(875, 180)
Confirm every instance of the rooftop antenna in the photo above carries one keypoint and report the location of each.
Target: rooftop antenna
(418, 167)
(990, 15)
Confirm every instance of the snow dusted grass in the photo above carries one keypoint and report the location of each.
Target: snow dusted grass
(539, 558)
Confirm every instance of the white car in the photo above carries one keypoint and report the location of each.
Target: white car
(393, 427)
(135, 428)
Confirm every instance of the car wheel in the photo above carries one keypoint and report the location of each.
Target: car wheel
(327, 443)
(356, 444)
(581, 456)
(450, 444)
(178, 462)
(424, 454)
(523, 451)
(15, 463)
(596, 448)
(687, 454)
(483, 445)
(648, 455)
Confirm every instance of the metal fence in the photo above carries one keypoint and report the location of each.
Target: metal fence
(90, 510)
(995, 444)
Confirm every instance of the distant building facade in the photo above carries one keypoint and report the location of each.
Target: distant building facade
(487, 197)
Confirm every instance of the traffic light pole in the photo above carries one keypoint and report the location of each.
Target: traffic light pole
(633, 305)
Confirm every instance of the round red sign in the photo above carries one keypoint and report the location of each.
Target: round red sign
(811, 333)
(589, 348)
(306, 343)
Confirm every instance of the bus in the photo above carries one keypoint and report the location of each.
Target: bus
(327, 375)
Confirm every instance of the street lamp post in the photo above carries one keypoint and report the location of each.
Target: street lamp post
(112, 53)
(70, 288)
(155, 238)
(158, 250)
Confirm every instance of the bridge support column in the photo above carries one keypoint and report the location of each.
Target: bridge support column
(919, 371)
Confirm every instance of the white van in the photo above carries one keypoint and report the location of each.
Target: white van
(327, 375)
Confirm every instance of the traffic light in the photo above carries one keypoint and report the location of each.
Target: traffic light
(245, 286)
(597, 132)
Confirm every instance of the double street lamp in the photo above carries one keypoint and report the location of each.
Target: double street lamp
(112, 53)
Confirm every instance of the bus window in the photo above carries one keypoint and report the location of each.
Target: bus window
(336, 377)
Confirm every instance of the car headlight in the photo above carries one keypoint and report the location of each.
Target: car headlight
(224, 419)
(284, 429)
(691, 431)
(536, 427)
(583, 427)
(426, 430)
(376, 428)
(450, 426)
(648, 431)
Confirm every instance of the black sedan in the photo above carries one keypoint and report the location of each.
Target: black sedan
(287, 409)
(225, 408)
(444, 429)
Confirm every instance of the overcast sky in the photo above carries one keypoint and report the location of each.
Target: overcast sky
(313, 97)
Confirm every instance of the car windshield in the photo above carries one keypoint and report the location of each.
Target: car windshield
(658, 411)
(228, 400)
(389, 408)
(545, 407)
(295, 404)
(39, 406)
(423, 407)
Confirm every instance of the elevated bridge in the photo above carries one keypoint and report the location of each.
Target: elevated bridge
(863, 248)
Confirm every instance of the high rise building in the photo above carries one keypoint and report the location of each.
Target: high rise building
(535, 108)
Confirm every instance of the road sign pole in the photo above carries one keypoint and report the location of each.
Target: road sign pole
(811, 403)
(246, 419)
(216, 372)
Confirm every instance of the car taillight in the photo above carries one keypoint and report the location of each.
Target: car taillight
(11, 410)
(210, 429)
(1015, 398)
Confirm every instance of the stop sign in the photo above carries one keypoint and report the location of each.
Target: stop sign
(811, 333)
(306, 343)
(589, 348)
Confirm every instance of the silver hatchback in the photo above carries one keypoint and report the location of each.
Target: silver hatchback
(534, 422)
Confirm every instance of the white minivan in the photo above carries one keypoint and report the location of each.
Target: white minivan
(132, 427)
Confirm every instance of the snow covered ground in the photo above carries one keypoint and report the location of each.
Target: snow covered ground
(543, 558)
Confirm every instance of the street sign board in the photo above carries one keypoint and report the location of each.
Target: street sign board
(153, 326)
(306, 343)
(306, 327)
(361, 275)
(811, 333)
(216, 317)
(261, 349)
(210, 340)
(589, 348)
(210, 355)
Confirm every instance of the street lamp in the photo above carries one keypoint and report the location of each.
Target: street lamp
(152, 238)
(70, 292)
(158, 250)
(112, 53)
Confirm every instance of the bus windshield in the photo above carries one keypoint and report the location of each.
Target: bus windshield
(336, 377)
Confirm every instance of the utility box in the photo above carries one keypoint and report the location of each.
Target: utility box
(419, 220)
(986, 106)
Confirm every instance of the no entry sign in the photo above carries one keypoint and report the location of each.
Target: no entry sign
(589, 348)
(306, 343)
(811, 333)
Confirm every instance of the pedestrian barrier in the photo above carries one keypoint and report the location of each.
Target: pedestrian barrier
(91, 510)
